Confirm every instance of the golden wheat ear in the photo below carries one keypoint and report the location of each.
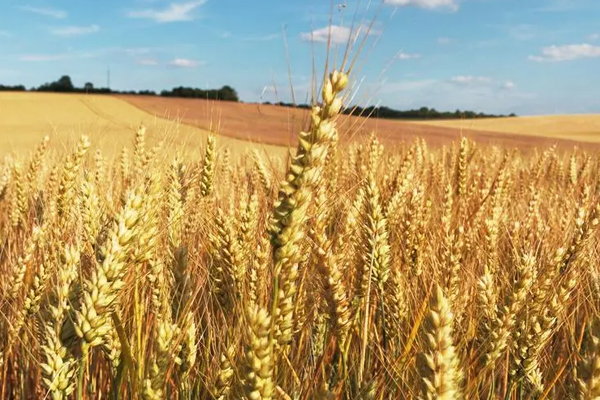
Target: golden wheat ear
(441, 370)
(259, 355)
(588, 371)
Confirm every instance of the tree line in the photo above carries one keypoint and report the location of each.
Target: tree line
(65, 85)
(416, 114)
(227, 93)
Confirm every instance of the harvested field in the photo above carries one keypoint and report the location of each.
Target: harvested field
(279, 125)
(108, 121)
(585, 128)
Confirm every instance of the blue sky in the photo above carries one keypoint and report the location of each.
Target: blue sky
(500, 56)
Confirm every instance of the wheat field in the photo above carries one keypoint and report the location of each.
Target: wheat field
(348, 271)
(106, 120)
(584, 128)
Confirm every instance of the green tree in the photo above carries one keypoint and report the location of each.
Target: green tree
(64, 84)
(228, 93)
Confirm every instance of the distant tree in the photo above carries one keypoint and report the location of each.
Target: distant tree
(423, 113)
(228, 93)
(16, 88)
(64, 84)
(88, 87)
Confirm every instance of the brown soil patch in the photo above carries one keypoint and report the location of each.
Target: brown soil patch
(279, 125)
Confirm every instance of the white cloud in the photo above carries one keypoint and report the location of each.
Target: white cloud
(42, 57)
(75, 30)
(175, 12)
(427, 4)
(5, 34)
(593, 37)
(148, 62)
(56, 57)
(407, 86)
(339, 34)
(48, 12)
(407, 56)
(444, 40)
(70, 55)
(264, 38)
(185, 63)
(486, 95)
(134, 51)
(301, 89)
(468, 80)
(508, 85)
(567, 53)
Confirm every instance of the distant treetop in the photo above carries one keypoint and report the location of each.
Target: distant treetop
(423, 113)
(65, 85)
(227, 93)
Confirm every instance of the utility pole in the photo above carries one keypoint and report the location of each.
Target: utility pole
(108, 78)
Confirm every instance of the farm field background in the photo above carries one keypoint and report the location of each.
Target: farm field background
(278, 125)
(148, 274)
(109, 122)
(184, 123)
(581, 127)
(159, 244)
